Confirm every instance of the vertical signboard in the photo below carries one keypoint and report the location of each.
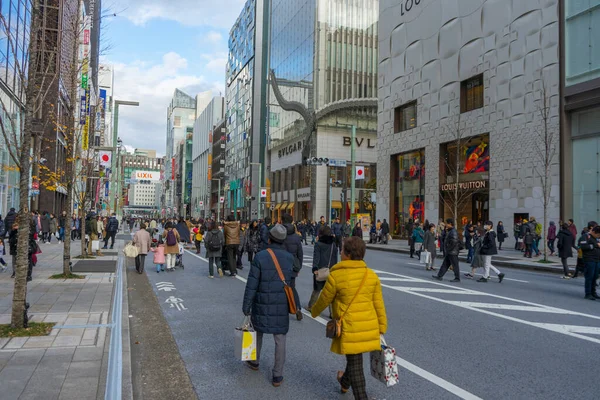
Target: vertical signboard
(173, 168)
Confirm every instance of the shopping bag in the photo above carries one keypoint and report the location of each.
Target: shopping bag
(130, 250)
(384, 366)
(95, 245)
(425, 257)
(245, 341)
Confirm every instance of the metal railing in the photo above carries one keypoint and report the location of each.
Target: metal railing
(114, 375)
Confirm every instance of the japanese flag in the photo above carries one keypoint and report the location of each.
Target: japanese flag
(105, 158)
(360, 173)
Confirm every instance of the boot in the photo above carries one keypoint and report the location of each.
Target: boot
(313, 299)
(99, 253)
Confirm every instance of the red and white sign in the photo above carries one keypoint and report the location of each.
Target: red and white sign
(221, 199)
(146, 176)
(201, 204)
(360, 173)
(263, 193)
(105, 158)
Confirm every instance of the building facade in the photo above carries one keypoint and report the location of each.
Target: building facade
(202, 154)
(245, 99)
(17, 14)
(580, 111)
(181, 115)
(217, 171)
(104, 120)
(323, 54)
(461, 90)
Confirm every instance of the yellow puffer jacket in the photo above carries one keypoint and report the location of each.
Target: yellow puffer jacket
(365, 319)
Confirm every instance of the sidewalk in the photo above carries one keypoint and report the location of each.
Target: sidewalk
(507, 257)
(71, 363)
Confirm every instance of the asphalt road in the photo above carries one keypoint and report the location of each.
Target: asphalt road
(531, 337)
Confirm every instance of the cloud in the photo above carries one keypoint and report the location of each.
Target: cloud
(222, 13)
(216, 62)
(153, 86)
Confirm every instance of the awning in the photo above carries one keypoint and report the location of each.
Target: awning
(278, 206)
(284, 206)
(336, 204)
(291, 206)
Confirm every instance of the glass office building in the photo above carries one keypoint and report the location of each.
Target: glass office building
(13, 47)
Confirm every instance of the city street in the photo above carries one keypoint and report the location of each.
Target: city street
(528, 338)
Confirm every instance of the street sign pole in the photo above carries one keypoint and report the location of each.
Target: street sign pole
(353, 173)
(259, 190)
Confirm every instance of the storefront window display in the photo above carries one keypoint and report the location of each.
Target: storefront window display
(409, 189)
(471, 201)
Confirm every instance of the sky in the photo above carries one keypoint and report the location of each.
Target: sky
(156, 46)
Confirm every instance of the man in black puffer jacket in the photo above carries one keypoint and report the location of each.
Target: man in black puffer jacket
(112, 226)
(266, 301)
(452, 246)
(293, 244)
(264, 233)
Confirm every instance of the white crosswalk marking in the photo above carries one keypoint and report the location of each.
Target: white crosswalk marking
(502, 303)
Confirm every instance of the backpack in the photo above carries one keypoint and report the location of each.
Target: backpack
(171, 238)
(213, 243)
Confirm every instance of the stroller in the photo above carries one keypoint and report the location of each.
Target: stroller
(179, 258)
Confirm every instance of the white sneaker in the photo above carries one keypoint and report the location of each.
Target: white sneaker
(3, 268)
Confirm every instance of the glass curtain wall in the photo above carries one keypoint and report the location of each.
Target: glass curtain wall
(409, 189)
(582, 36)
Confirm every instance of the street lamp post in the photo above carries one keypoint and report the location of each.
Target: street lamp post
(114, 178)
(219, 199)
(259, 187)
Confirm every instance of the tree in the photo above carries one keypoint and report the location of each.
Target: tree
(545, 150)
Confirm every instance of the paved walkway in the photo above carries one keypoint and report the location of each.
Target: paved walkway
(507, 257)
(71, 362)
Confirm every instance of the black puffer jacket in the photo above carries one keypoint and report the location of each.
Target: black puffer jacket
(264, 236)
(451, 242)
(9, 221)
(566, 243)
(589, 247)
(293, 244)
(325, 253)
(265, 297)
(488, 248)
(113, 225)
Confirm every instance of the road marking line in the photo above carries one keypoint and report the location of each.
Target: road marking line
(571, 328)
(510, 307)
(522, 321)
(397, 279)
(436, 380)
(488, 294)
(429, 290)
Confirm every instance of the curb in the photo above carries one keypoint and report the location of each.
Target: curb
(552, 268)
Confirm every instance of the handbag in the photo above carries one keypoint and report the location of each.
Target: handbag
(323, 273)
(425, 257)
(289, 292)
(334, 327)
(384, 366)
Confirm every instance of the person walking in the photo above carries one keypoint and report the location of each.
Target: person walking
(53, 227)
(265, 299)
(325, 255)
(294, 246)
(429, 245)
(243, 244)
(410, 226)
(452, 245)
(552, 237)
(232, 242)
(517, 234)
(45, 224)
(477, 260)
(489, 249)
(264, 233)
(502, 235)
(337, 230)
(354, 292)
(572, 227)
(565, 245)
(590, 247)
(142, 241)
(9, 220)
(469, 242)
(112, 226)
(197, 237)
(528, 238)
(253, 240)
(417, 240)
(62, 226)
(171, 237)
(214, 241)
(159, 256)
(357, 231)
(100, 227)
(385, 231)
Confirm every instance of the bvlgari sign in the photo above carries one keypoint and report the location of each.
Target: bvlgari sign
(473, 185)
(292, 148)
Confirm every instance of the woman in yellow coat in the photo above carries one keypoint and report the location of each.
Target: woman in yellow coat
(363, 322)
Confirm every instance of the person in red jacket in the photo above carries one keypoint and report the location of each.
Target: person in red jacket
(572, 228)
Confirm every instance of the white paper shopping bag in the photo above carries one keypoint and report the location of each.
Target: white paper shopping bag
(384, 366)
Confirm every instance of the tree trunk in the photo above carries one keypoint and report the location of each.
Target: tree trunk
(24, 219)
